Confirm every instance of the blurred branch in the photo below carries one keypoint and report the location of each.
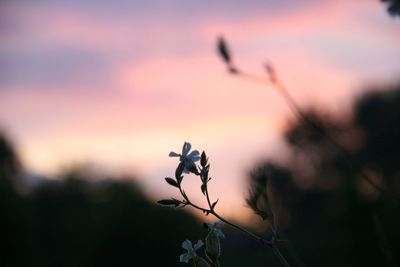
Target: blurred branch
(273, 79)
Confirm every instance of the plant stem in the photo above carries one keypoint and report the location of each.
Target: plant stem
(211, 210)
(254, 236)
(280, 256)
(188, 202)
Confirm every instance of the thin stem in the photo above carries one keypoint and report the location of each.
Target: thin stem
(211, 210)
(208, 199)
(188, 202)
(271, 244)
(295, 256)
(280, 256)
(254, 236)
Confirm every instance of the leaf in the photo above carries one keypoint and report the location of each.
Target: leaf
(170, 202)
(213, 204)
(203, 159)
(203, 188)
(171, 181)
(223, 50)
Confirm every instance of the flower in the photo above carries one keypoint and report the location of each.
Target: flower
(214, 229)
(191, 251)
(187, 158)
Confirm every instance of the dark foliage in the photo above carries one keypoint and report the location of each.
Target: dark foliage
(73, 222)
(9, 163)
(393, 7)
(320, 201)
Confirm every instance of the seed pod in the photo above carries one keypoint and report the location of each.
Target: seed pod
(213, 246)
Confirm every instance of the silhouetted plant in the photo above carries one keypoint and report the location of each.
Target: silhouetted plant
(187, 165)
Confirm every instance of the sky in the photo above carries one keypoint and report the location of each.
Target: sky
(119, 84)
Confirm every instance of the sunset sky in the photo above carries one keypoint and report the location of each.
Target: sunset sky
(119, 84)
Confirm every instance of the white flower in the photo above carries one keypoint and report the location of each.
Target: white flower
(187, 158)
(214, 229)
(191, 251)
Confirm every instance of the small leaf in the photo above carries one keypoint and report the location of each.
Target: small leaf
(203, 188)
(171, 181)
(170, 202)
(213, 204)
(223, 50)
(203, 159)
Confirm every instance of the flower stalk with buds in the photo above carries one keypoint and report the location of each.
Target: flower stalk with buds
(187, 163)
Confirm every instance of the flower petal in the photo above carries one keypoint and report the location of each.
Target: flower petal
(186, 148)
(198, 245)
(187, 244)
(185, 257)
(173, 154)
(194, 153)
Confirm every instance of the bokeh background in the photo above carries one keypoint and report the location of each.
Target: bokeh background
(95, 94)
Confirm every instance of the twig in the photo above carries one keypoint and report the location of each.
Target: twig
(211, 210)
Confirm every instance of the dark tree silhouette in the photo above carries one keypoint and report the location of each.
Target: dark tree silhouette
(9, 162)
(393, 7)
(82, 219)
(318, 197)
